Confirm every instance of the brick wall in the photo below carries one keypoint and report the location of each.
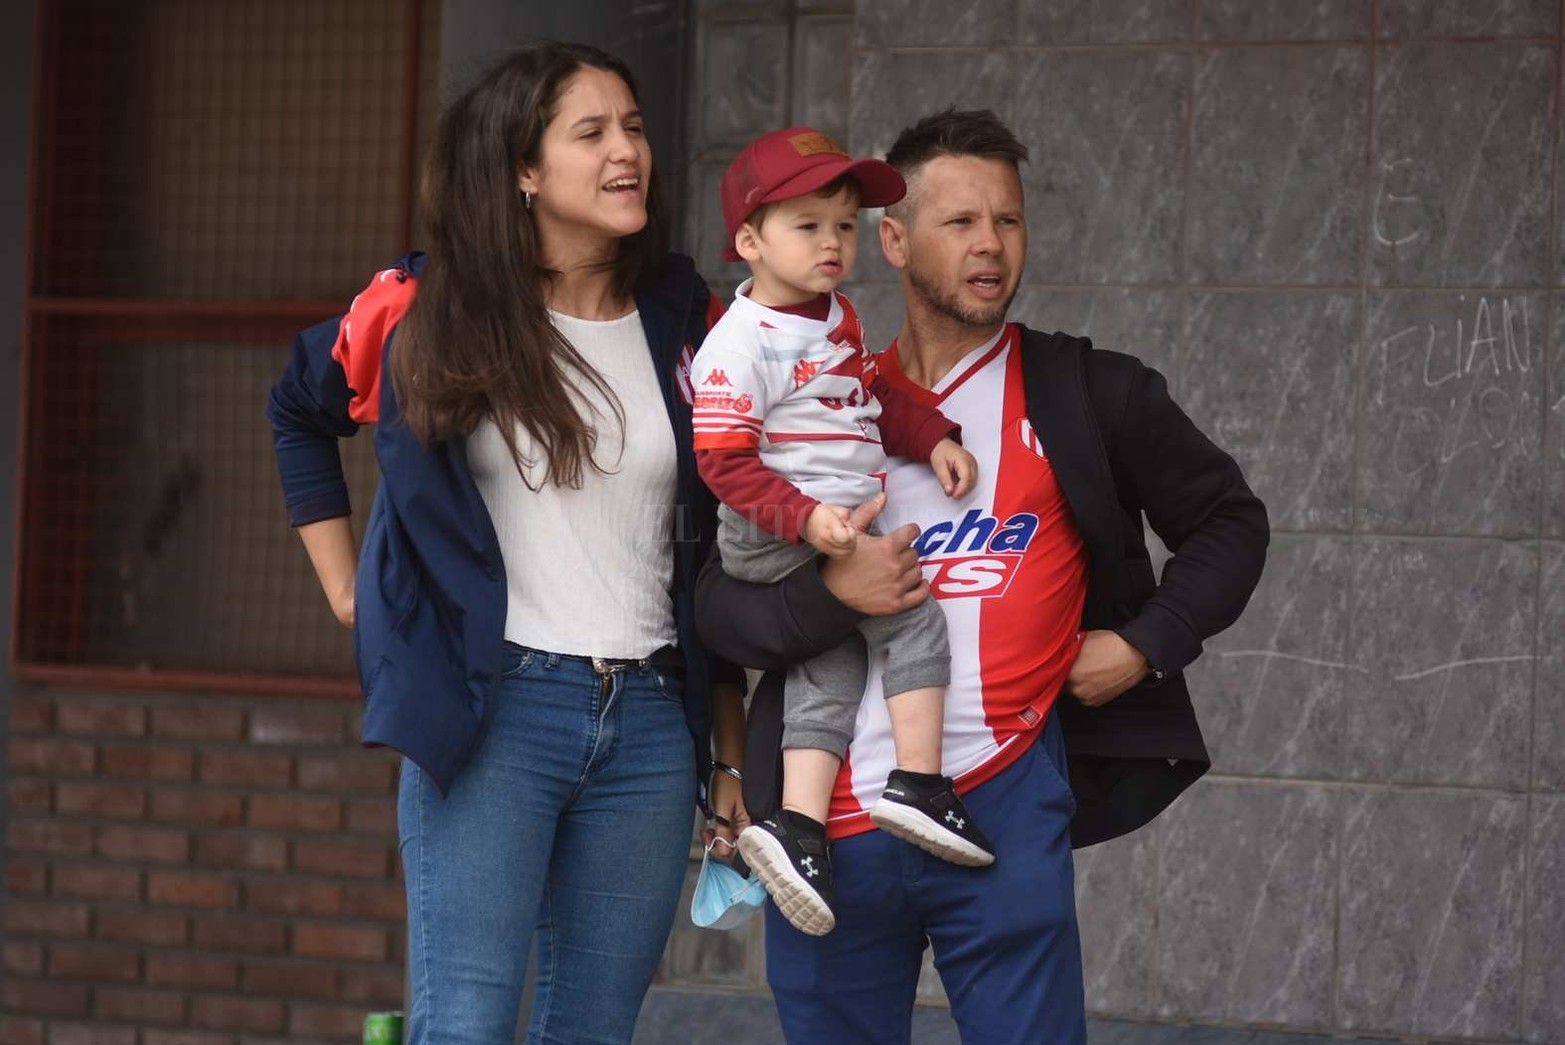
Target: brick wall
(196, 871)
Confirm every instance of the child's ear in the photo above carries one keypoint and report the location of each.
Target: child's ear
(893, 241)
(747, 241)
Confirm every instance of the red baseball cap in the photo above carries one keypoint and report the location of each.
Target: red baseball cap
(795, 162)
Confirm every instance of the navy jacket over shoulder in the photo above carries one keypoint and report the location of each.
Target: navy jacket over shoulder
(430, 601)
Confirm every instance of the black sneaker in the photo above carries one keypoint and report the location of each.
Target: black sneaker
(932, 817)
(793, 861)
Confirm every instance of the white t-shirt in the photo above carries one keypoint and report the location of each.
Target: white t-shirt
(588, 570)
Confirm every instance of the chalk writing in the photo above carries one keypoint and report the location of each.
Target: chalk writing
(1271, 654)
(1396, 222)
(1453, 665)
(1481, 360)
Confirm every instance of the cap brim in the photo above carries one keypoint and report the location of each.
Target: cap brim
(879, 183)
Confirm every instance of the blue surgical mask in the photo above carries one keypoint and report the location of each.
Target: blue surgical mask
(724, 898)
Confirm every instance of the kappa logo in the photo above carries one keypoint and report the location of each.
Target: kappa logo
(717, 379)
(804, 370)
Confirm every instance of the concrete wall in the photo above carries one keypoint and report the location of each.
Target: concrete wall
(1333, 226)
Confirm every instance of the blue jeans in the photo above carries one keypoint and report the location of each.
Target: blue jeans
(1005, 937)
(572, 820)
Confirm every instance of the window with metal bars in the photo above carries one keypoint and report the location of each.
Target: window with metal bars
(207, 179)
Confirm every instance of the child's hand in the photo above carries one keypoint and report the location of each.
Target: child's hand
(829, 529)
(956, 469)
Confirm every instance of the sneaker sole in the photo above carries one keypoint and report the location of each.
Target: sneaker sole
(801, 905)
(910, 825)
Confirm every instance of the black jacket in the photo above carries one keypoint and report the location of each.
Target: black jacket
(1119, 447)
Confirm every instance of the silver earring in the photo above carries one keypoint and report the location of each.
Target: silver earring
(527, 200)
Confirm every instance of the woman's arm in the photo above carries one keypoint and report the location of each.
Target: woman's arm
(727, 798)
(329, 544)
(330, 387)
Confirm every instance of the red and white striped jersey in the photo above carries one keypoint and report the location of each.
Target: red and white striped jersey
(796, 391)
(1008, 568)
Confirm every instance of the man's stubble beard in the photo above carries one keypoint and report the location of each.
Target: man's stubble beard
(947, 304)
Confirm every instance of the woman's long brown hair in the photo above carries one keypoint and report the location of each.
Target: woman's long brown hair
(477, 342)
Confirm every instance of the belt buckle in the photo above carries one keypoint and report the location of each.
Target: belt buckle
(606, 666)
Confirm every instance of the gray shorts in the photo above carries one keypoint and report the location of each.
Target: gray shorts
(821, 696)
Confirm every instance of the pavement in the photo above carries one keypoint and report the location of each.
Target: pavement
(672, 1016)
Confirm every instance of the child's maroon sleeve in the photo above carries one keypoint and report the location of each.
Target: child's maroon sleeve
(909, 428)
(742, 482)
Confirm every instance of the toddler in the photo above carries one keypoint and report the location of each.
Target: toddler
(792, 430)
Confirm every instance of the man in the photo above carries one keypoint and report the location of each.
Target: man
(1062, 640)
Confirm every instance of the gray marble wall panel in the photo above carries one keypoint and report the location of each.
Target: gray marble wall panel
(879, 305)
(822, 80)
(1270, 690)
(1104, 21)
(1543, 1014)
(1105, 189)
(1430, 935)
(1548, 730)
(1462, 145)
(1276, 180)
(1246, 904)
(1554, 429)
(744, 77)
(936, 23)
(1269, 377)
(1283, 20)
(1453, 413)
(1116, 903)
(893, 89)
(1444, 634)
(1135, 320)
(1405, 18)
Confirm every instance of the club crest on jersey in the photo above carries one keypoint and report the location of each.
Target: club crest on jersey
(1030, 438)
(976, 556)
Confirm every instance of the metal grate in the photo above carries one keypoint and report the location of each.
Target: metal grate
(248, 149)
(210, 177)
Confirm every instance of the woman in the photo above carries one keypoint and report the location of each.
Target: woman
(523, 604)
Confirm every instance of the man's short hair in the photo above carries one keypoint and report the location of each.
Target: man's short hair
(974, 132)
